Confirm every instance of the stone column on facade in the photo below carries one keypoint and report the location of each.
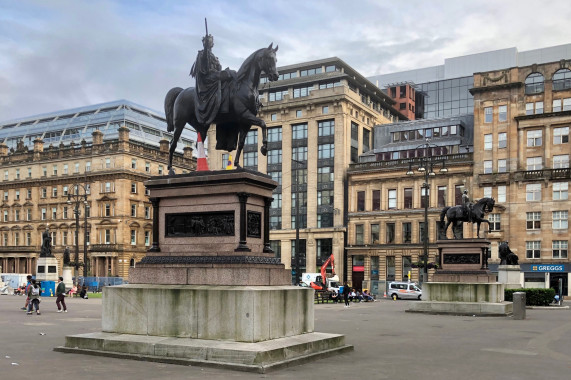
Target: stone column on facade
(311, 185)
(310, 253)
(112, 259)
(286, 176)
(286, 253)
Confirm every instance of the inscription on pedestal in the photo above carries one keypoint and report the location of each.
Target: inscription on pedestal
(465, 258)
(254, 224)
(196, 224)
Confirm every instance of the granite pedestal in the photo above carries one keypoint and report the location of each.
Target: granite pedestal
(46, 269)
(510, 275)
(210, 290)
(463, 285)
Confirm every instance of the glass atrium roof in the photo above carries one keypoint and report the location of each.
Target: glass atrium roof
(146, 126)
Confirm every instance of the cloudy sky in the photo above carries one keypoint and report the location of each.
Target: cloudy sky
(58, 54)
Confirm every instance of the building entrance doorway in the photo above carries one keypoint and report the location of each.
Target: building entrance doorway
(554, 282)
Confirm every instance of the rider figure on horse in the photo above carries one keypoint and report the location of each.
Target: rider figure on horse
(209, 77)
(467, 205)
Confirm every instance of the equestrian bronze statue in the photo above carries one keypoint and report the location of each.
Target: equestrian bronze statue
(226, 98)
(468, 212)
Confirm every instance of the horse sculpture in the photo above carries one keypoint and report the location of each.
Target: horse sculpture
(242, 95)
(457, 214)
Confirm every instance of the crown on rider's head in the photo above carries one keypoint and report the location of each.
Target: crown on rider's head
(208, 38)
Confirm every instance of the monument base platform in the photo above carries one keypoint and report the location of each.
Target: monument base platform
(46, 269)
(258, 357)
(510, 275)
(482, 309)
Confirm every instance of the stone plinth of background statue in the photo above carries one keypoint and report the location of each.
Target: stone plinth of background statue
(509, 270)
(210, 290)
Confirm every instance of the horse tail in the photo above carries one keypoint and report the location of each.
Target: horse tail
(443, 213)
(169, 106)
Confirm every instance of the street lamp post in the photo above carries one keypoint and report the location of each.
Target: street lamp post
(426, 166)
(297, 274)
(77, 199)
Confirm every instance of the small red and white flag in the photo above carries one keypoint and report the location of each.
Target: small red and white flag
(202, 164)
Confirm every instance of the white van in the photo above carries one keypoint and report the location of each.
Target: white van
(404, 290)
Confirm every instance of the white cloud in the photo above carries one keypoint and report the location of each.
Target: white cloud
(62, 54)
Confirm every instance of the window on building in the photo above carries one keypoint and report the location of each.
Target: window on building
(251, 159)
(488, 114)
(325, 174)
(133, 164)
(302, 220)
(54, 171)
(298, 113)
(534, 84)
(107, 163)
(326, 128)
(408, 198)
(147, 212)
(17, 195)
(133, 237)
(29, 172)
(147, 167)
(360, 201)
(107, 209)
(299, 131)
(495, 222)
(560, 135)
(538, 108)
(502, 113)
(533, 192)
(324, 110)
(252, 137)
(502, 166)
(407, 232)
(560, 191)
(487, 167)
(28, 239)
(534, 138)
(44, 171)
(16, 215)
(276, 246)
(65, 191)
(29, 214)
(556, 105)
(390, 233)
(441, 196)
(44, 213)
(277, 202)
(133, 187)
(567, 104)
(88, 166)
(488, 142)
(392, 199)
(561, 161)
(458, 190)
(375, 233)
(487, 192)
(299, 176)
(560, 249)
(376, 195)
(533, 249)
(562, 80)
(424, 197)
(502, 194)
(298, 153)
(274, 117)
(275, 222)
(134, 210)
(6, 196)
(325, 151)
(359, 234)
(533, 220)
(54, 212)
(276, 176)
(560, 220)
(277, 95)
(161, 170)
(6, 215)
(534, 163)
(502, 140)
(107, 237)
(325, 197)
(275, 134)
(76, 168)
(147, 238)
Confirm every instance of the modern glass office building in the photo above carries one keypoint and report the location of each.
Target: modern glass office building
(443, 90)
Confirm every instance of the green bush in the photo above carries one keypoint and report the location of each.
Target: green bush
(533, 296)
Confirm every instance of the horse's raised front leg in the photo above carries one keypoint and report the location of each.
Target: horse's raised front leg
(251, 119)
(264, 148)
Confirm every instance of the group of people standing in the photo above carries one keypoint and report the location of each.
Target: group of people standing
(33, 292)
(351, 295)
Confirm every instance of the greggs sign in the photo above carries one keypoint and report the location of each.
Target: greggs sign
(548, 268)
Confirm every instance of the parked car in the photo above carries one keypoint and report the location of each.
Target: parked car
(404, 290)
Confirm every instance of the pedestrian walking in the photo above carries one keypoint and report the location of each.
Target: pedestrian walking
(346, 292)
(34, 297)
(60, 294)
(27, 288)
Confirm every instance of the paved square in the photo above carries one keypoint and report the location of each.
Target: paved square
(389, 344)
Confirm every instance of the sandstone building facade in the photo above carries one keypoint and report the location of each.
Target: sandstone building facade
(320, 117)
(108, 149)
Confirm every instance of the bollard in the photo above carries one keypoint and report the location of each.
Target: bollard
(519, 305)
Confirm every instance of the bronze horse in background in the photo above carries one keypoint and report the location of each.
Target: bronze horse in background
(233, 126)
(457, 214)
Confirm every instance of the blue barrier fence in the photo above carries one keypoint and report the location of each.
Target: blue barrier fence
(95, 284)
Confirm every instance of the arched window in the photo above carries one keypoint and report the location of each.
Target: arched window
(562, 79)
(132, 263)
(534, 83)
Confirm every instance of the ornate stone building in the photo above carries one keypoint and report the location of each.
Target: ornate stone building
(522, 117)
(387, 202)
(320, 117)
(109, 150)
